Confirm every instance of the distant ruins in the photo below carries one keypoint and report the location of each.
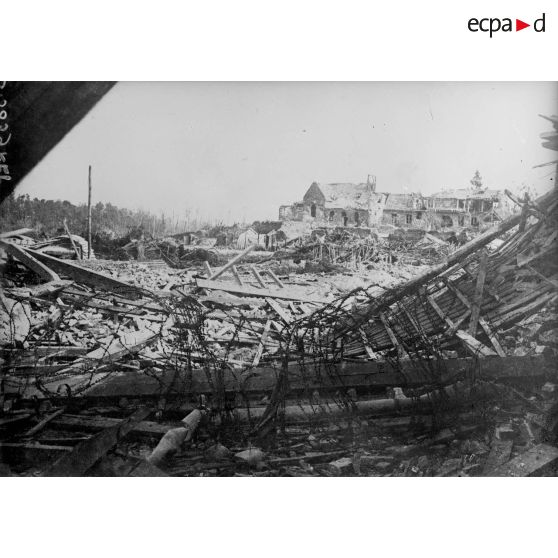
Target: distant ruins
(360, 205)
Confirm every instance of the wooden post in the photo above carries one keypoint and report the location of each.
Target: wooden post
(78, 256)
(232, 262)
(89, 217)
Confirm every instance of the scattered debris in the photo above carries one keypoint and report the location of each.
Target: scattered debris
(333, 354)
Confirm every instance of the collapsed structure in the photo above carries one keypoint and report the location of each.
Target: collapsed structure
(360, 205)
(312, 360)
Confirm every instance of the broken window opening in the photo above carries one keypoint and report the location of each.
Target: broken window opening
(447, 221)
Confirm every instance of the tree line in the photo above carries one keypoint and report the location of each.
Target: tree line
(108, 221)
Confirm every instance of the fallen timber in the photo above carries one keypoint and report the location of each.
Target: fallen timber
(380, 371)
(30, 261)
(442, 295)
(88, 277)
(282, 294)
(361, 376)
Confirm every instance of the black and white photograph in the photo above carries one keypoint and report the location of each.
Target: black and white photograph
(278, 279)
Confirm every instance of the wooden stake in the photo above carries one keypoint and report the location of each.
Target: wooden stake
(275, 278)
(232, 262)
(78, 256)
(261, 345)
(258, 277)
(208, 269)
(237, 275)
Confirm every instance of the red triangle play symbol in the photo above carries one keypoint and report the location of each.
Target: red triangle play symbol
(519, 25)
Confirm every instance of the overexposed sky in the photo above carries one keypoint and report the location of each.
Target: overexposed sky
(236, 151)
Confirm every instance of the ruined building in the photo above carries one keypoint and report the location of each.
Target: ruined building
(360, 205)
(339, 204)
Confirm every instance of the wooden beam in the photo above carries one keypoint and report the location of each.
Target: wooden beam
(43, 271)
(261, 345)
(283, 294)
(474, 346)
(88, 452)
(493, 337)
(88, 423)
(88, 277)
(276, 279)
(74, 247)
(440, 312)
(482, 321)
(400, 350)
(232, 262)
(208, 269)
(549, 280)
(38, 427)
(237, 275)
(371, 354)
(258, 277)
(282, 314)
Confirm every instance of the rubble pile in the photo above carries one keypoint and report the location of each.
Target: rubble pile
(243, 368)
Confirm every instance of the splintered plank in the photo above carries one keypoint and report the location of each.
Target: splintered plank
(400, 350)
(283, 294)
(118, 347)
(258, 277)
(440, 313)
(74, 247)
(475, 346)
(492, 336)
(261, 346)
(38, 427)
(275, 278)
(282, 314)
(531, 463)
(88, 277)
(95, 423)
(371, 354)
(232, 262)
(43, 271)
(208, 269)
(237, 275)
(87, 453)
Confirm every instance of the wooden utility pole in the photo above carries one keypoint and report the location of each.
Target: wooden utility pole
(89, 218)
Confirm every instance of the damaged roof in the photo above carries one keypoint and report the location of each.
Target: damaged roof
(404, 202)
(346, 195)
